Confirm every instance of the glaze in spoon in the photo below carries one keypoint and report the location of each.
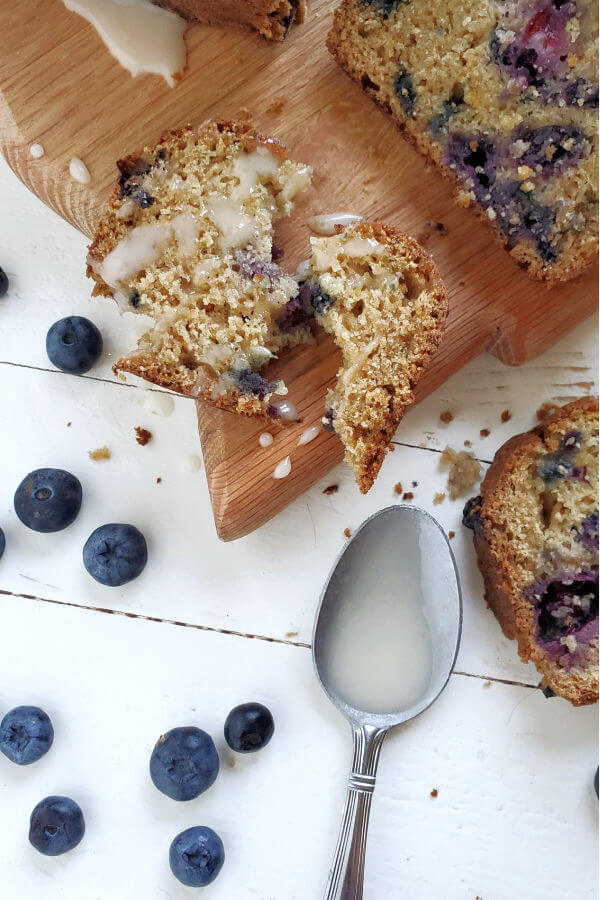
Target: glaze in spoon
(385, 640)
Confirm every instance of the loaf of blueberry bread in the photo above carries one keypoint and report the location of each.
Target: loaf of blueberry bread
(502, 95)
(535, 529)
(187, 239)
(380, 296)
(271, 18)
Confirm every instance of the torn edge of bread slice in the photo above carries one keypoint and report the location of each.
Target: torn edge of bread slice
(188, 240)
(381, 297)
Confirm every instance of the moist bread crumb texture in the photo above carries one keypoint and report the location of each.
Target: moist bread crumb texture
(535, 531)
(380, 296)
(503, 96)
(188, 240)
(271, 18)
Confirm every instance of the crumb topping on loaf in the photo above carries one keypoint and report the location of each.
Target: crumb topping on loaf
(379, 295)
(536, 534)
(188, 240)
(502, 94)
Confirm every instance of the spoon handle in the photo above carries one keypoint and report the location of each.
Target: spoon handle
(347, 871)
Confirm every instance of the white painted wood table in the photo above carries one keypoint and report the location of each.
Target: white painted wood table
(209, 625)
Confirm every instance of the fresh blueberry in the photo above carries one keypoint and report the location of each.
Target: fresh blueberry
(2, 542)
(196, 856)
(26, 734)
(3, 282)
(56, 825)
(48, 499)
(74, 344)
(184, 763)
(249, 727)
(115, 554)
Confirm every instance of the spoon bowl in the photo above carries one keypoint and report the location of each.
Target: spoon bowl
(385, 641)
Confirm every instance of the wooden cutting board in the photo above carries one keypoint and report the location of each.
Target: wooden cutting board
(60, 87)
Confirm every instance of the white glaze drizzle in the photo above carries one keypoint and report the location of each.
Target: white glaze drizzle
(79, 171)
(159, 404)
(191, 464)
(283, 468)
(287, 410)
(141, 36)
(326, 222)
(309, 435)
(141, 246)
(265, 439)
(36, 150)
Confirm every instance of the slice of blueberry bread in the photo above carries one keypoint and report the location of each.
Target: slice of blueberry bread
(271, 18)
(502, 95)
(380, 296)
(535, 529)
(187, 239)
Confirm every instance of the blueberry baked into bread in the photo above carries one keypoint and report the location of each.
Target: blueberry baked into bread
(187, 239)
(271, 18)
(535, 529)
(502, 95)
(380, 296)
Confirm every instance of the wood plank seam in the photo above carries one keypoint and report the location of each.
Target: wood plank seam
(224, 631)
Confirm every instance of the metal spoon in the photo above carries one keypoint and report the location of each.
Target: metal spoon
(401, 538)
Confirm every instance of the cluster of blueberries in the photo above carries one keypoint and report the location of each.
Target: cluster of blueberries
(184, 763)
(49, 500)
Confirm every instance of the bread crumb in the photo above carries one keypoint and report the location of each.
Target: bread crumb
(101, 453)
(290, 634)
(275, 106)
(430, 229)
(506, 415)
(451, 534)
(347, 532)
(158, 480)
(142, 435)
(408, 495)
(467, 443)
(487, 684)
(545, 410)
(438, 498)
(415, 483)
(485, 432)
(433, 792)
(331, 489)
(398, 488)
(464, 472)
(68, 424)
(446, 417)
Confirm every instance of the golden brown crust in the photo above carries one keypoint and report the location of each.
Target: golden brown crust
(341, 45)
(496, 561)
(145, 366)
(271, 18)
(376, 443)
(402, 243)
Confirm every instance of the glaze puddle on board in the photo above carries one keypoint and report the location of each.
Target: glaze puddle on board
(142, 37)
(380, 650)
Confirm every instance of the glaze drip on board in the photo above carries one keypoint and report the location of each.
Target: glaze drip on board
(142, 37)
